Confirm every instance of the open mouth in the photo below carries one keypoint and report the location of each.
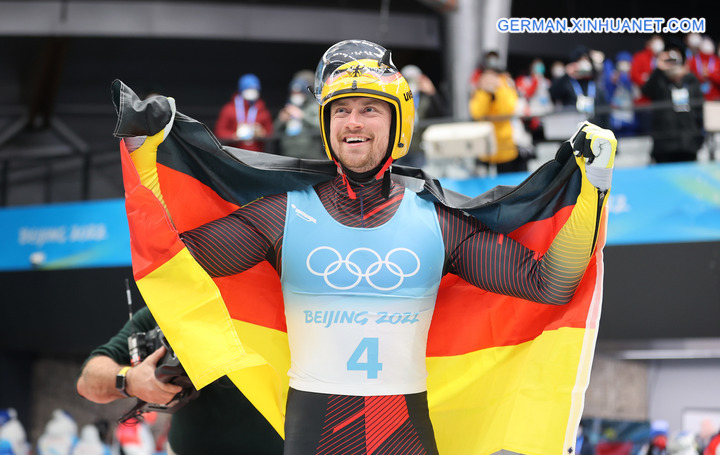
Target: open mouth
(355, 140)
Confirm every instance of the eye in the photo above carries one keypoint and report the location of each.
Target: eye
(375, 108)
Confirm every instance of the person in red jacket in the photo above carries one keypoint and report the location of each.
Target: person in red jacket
(645, 60)
(534, 91)
(705, 65)
(244, 121)
(643, 63)
(713, 448)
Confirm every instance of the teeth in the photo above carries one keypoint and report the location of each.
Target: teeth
(354, 139)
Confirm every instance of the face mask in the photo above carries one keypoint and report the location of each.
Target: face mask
(538, 68)
(707, 47)
(623, 66)
(584, 67)
(297, 99)
(493, 63)
(657, 46)
(251, 94)
(694, 40)
(558, 71)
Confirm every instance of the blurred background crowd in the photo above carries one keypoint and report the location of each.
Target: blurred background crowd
(660, 92)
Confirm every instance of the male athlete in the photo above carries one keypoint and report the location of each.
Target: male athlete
(360, 259)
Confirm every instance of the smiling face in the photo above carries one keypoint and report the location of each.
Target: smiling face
(360, 132)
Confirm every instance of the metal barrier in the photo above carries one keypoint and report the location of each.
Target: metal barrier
(451, 149)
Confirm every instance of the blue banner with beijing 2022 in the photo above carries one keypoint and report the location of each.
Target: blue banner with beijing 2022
(668, 203)
(64, 236)
(661, 203)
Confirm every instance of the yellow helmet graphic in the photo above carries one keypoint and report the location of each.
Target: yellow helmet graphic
(361, 68)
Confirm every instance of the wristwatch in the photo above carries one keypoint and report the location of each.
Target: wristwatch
(121, 381)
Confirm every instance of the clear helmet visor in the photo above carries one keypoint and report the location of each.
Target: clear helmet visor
(365, 62)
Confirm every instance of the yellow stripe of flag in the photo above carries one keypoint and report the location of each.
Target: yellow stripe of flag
(512, 397)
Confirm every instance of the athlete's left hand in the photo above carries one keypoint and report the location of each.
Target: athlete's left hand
(596, 147)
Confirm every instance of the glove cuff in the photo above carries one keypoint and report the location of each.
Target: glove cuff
(601, 178)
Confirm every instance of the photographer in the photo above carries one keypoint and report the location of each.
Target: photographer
(494, 98)
(579, 89)
(677, 115)
(219, 420)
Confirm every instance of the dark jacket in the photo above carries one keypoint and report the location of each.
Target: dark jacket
(563, 92)
(677, 132)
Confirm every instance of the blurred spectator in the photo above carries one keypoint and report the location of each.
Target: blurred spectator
(579, 88)
(713, 447)
(90, 442)
(557, 70)
(658, 439)
(494, 98)
(682, 443)
(705, 65)
(297, 123)
(429, 104)
(645, 60)
(244, 121)
(134, 437)
(692, 44)
(59, 436)
(708, 429)
(598, 60)
(13, 439)
(643, 63)
(621, 92)
(677, 122)
(534, 100)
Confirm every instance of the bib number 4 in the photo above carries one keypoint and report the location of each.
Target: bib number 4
(366, 358)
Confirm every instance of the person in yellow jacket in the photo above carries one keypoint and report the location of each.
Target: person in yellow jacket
(494, 98)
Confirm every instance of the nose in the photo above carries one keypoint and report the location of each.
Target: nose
(354, 121)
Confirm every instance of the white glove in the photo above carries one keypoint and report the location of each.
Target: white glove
(597, 146)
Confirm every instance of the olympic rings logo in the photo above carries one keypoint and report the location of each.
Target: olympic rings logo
(370, 272)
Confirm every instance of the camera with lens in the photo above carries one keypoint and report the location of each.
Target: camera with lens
(168, 370)
(142, 344)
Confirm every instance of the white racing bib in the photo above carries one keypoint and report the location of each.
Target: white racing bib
(359, 302)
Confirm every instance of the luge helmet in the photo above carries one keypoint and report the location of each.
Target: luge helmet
(362, 68)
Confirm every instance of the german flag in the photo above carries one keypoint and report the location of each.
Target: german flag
(504, 373)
